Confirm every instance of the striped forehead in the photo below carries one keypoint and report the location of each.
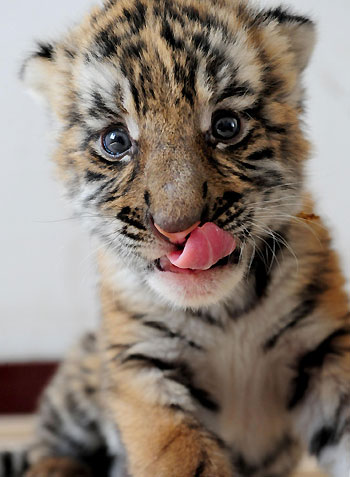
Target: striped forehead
(104, 94)
(164, 52)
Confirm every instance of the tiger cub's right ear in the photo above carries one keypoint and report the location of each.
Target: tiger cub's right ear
(38, 72)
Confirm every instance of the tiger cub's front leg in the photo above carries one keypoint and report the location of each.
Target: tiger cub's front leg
(163, 442)
(59, 467)
(320, 401)
(146, 392)
(69, 441)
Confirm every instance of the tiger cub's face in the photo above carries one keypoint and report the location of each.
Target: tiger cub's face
(174, 114)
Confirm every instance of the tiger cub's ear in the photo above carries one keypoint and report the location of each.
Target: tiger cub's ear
(38, 72)
(299, 30)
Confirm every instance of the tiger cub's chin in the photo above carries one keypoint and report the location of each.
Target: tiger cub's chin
(196, 289)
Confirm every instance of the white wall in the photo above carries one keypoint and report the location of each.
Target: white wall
(47, 291)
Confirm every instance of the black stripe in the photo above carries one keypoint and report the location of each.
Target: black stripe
(124, 231)
(206, 317)
(309, 297)
(269, 179)
(284, 16)
(140, 15)
(310, 361)
(150, 361)
(182, 375)
(205, 190)
(45, 50)
(99, 462)
(98, 192)
(227, 201)
(7, 461)
(156, 325)
(242, 165)
(331, 434)
(203, 397)
(115, 346)
(136, 18)
(216, 165)
(185, 75)
(137, 316)
(243, 467)
(235, 90)
(170, 12)
(202, 42)
(207, 21)
(121, 348)
(171, 334)
(243, 177)
(69, 53)
(132, 176)
(146, 197)
(265, 261)
(92, 176)
(73, 118)
(255, 111)
(81, 416)
(177, 407)
(245, 143)
(50, 417)
(103, 162)
(303, 310)
(111, 197)
(231, 216)
(266, 153)
(136, 96)
(107, 42)
(168, 34)
(276, 129)
(273, 85)
(108, 4)
(134, 50)
(216, 60)
(185, 377)
(126, 216)
(205, 214)
(64, 439)
(321, 439)
(328, 436)
(200, 469)
(100, 105)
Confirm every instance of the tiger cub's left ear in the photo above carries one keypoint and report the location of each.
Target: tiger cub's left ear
(299, 30)
(38, 72)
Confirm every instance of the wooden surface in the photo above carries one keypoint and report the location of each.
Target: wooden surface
(16, 431)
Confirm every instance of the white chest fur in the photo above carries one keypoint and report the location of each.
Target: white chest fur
(249, 384)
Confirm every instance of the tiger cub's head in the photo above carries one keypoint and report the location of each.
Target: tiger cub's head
(178, 133)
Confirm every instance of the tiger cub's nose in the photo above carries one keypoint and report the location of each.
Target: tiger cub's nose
(177, 237)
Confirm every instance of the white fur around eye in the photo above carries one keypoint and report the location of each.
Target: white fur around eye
(132, 127)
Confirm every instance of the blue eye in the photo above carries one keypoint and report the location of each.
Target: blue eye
(225, 126)
(116, 143)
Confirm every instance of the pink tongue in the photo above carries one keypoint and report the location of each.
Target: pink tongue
(205, 246)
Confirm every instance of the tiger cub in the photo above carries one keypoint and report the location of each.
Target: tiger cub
(224, 344)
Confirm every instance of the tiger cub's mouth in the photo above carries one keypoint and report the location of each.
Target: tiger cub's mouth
(206, 247)
(163, 264)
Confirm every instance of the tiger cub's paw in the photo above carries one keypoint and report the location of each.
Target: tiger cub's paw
(58, 467)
